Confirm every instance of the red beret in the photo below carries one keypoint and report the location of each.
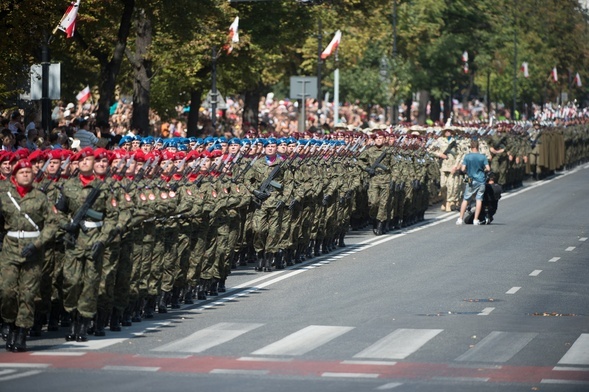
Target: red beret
(119, 154)
(178, 156)
(167, 156)
(21, 153)
(7, 156)
(101, 153)
(192, 155)
(85, 152)
(37, 155)
(21, 164)
(215, 153)
(139, 156)
(55, 154)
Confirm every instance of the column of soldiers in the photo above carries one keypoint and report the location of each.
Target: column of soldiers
(100, 239)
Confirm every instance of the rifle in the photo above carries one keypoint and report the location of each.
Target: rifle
(41, 172)
(450, 147)
(139, 176)
(377, 163)
(85, 209)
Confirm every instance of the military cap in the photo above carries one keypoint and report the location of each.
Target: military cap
(21, 164)
(268, 141)
(37, 155)
(101, 153)
(139, 156)
(21, 153)
(235, 140)
(85, 152)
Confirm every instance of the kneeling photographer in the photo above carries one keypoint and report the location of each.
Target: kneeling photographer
(474, 165)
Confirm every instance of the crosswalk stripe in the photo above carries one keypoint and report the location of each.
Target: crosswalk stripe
(209, 337)
(497, 347)
(20, 375)
(304, 340)
(578, 354)
(399, 344)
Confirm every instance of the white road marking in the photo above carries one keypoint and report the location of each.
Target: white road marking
(486, 312)
(570, 249)
(7, 371)
(304, 340)
(569, 369)
(497, 347)
(557, 381)
(370, 363)
(25, 365)
(513, 290)
(208, 337)
(399, 344)
(350, 375)
(535, 272)
(390, 385)
(132, 368)
(20, 375)
(264, 359)
(554, 259)
(578, 354)
(583, 239)
(59, 353)
(96, 344)
(461, 379)
(240, 371)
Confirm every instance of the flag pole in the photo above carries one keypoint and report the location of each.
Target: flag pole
(336, 89)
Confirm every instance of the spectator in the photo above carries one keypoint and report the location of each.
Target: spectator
(7, 140)
(15, 124)
(32, 137)
(21, 141)
(86, 138)
(475, 165)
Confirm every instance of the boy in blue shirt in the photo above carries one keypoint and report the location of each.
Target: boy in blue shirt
(475, 165)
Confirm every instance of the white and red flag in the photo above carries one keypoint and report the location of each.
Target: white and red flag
(578, 82)
(233, 34)
(68, 21)
(524, 69)
(465, 56)
(83, 95)
(554, 75)
(333, 45)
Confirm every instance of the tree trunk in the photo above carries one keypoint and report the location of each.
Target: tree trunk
(142, 65)
(408, 103)
(436, 110)
(195, 102)
(422, 110)
(251, 109)
(109, 70)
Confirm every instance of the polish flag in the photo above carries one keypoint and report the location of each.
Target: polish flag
(524, 69)
(554, 74)
(333, 45)
(578, 80)
(465, 68)
(465, 56)
(68, 21)
(233, 34)
(83, 95)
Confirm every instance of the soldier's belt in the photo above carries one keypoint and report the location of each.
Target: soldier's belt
(149, 220)
(23, 234)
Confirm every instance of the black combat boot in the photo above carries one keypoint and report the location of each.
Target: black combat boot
(10, 336)
(268, 262)
(188, 295)
(82, 335)
(126, 320)
(66, 318)
(149, 308)
(175, 298)
(221, 286)
(115, 320)
(5, 330)
(53, 323)
(243, 258)
(201, 290)
(213, 287)
(260, 262)
(289, 257)
(20, 342)
(99, 323)
(325, 246)
(137, 311)
(309, 250)
(341, 242)
(278, 260)
(40, 320)
(162, 305)
(74, 327)
(317, 248)
(378, 228)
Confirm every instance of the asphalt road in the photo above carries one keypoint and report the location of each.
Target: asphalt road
(437, 307)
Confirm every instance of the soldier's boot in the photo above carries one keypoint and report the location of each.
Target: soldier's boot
(260, 262)
(20, 342)
(375, 227)
(317, 248)
(162, 304)
(379, 228)
(278, 260)
(201, 291)
(396, 225)
(127, 314)
(66, 318)
(251, 255)
(137, 307)
(221, 286)
(309, 250)
(268, 262)
(341, 242)
(188, 293)
(40, 320)
(10, 336)
(99, 323)
(243, 257)
(212, 291)
(175, 301)
(53, 323)
(324, 246)
(5, 330)
(289, 257)
(298, 254)
(149, 308)
(74, 327)
(115, 320)
(82, 335)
